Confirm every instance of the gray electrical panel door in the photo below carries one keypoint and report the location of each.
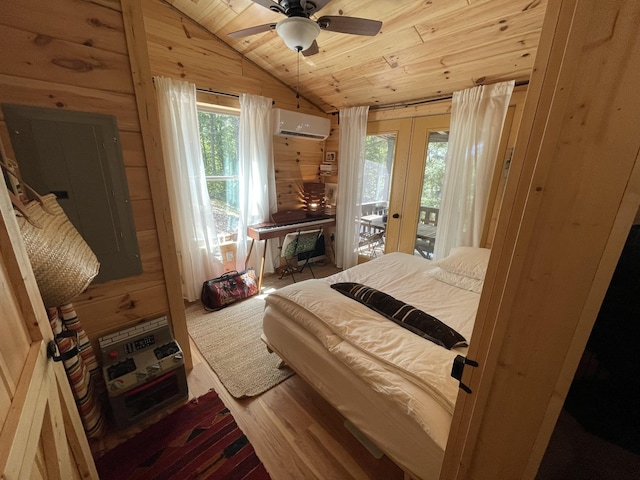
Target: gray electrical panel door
(78, 157)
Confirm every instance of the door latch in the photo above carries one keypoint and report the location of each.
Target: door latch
(458, 367)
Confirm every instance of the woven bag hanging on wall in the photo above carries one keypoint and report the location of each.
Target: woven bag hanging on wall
(63, 263)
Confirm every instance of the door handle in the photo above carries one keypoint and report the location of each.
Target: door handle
(396, 215)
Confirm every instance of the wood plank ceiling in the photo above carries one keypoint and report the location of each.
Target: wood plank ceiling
(425, 49)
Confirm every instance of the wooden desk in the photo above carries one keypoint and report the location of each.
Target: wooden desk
(265, 231)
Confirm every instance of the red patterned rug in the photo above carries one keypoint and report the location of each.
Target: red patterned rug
(200, 440)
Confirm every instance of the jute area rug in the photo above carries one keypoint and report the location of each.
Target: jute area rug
(200, 440)
(229, 340)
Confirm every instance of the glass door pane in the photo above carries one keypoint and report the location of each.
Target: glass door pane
(421, 187)
(376, 185)
(430, 198)
(386, 155)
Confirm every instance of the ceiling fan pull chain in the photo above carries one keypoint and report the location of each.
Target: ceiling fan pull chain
(298, 82)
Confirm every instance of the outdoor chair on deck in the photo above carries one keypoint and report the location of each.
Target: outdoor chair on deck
(427, 228)
(295, 244)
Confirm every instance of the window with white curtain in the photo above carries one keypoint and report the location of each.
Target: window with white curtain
(219, 144)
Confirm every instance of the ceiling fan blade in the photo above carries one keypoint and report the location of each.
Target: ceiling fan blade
(312, 50)
(353, 25)
(245, 32)
(274, 6)
(312, 6)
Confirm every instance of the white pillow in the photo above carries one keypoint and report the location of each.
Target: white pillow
(460, 281)
(468, 261)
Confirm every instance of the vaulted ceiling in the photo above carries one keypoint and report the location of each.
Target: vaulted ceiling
(426, 48)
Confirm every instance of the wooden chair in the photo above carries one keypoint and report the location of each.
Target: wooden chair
(297, 243)
(428, 215)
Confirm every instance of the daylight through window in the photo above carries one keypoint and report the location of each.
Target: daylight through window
(219, 145)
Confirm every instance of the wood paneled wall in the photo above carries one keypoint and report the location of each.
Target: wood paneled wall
(64, 54)
(181, 49)
(71, 55)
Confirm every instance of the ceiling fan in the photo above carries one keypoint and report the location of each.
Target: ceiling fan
(299, 32)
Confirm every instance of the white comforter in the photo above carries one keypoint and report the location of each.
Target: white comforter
(374, 347)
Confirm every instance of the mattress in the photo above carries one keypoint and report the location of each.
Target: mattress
(390, 383)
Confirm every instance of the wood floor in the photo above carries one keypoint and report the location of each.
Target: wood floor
(295, 432)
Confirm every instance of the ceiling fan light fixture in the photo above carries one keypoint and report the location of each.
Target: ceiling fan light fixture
(298, 33)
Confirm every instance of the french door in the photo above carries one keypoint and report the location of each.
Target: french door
(386, 154)
(416, 166)
(409, 184)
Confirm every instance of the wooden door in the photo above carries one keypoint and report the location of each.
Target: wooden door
(411, 135)
(42, 436)
(422, 128)
(412, 149)
(572, 194)
(400, 130)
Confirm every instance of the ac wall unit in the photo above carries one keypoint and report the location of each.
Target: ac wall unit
(296, 124)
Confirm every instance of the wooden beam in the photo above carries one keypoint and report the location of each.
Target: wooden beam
(150, 128)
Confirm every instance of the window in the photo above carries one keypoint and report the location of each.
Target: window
(219, 144)
(434, 166)
(378, 164)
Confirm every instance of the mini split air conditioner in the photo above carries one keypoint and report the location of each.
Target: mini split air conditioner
(296, 124)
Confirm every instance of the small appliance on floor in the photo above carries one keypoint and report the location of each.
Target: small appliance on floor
(143, 369)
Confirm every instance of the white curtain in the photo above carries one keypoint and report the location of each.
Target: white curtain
(353, 131)
(477, 118)
(194, 228)
(257, 175)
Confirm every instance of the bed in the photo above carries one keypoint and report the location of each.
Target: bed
(390, 383)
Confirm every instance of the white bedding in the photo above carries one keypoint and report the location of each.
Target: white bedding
(410, 374)
(370, 344)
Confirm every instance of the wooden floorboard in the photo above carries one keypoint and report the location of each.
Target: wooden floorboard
(295, 432)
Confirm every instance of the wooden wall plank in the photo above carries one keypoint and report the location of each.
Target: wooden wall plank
(132, 149)
(151, 276)
(112, 4)
(138, 182)
(37, 56)
(111, 314)
(100, 28)
(172, 32)
(437, 107)
(143, 214)
(40, 93)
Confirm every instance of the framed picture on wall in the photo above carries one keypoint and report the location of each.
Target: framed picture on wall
(330, 157)
(330, 193)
